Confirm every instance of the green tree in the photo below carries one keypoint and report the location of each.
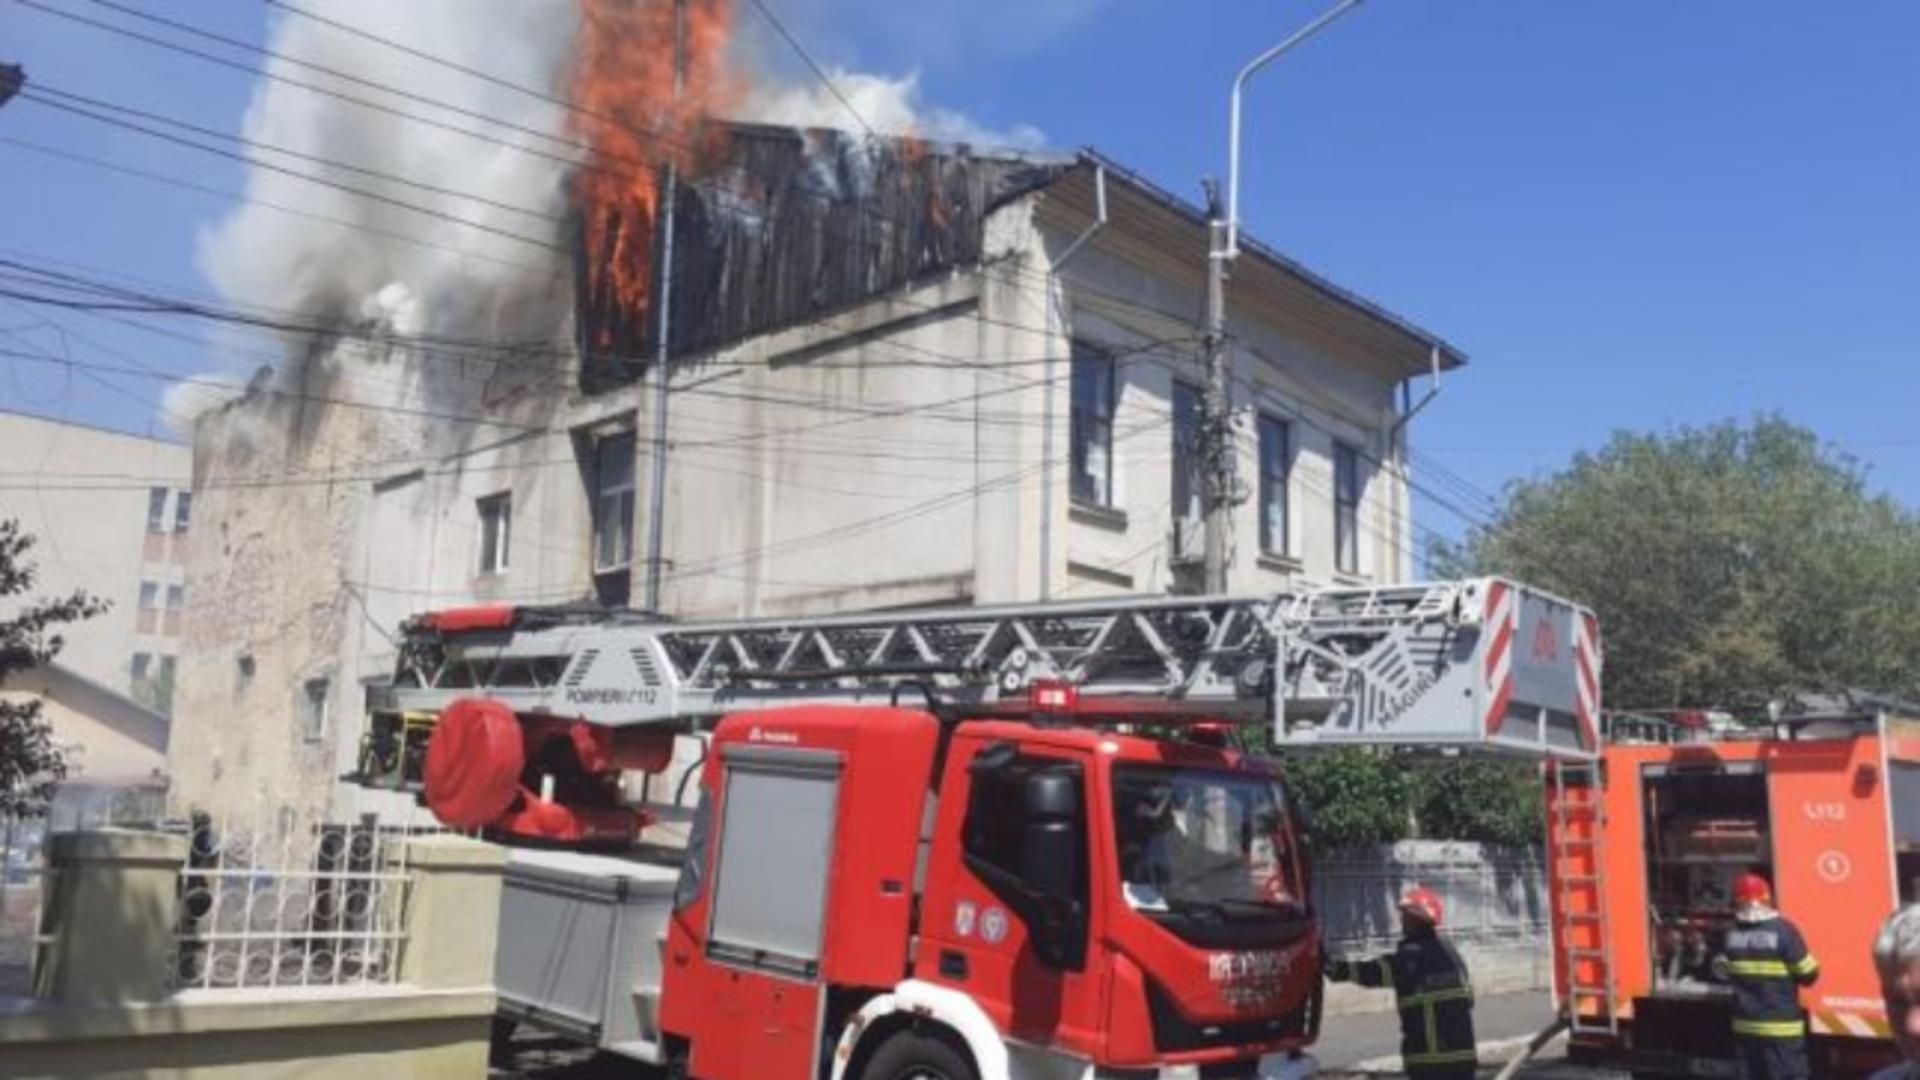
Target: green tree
(30, 635)
(1491, 801)
(1355, 797)
(1729, 565)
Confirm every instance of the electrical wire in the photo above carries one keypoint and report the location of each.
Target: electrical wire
(813, 65)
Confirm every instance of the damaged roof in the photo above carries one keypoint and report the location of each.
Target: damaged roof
(794, 225)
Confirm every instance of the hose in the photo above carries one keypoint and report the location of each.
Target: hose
(1534, 1046)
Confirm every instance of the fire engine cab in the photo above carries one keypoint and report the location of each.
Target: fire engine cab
(965, 844)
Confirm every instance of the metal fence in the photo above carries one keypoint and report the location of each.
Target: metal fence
(270, 901)
(1495, 898)
(22, 877)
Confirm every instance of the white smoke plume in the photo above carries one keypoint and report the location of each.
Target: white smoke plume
(462, 277)
(186, 402)
(466, 276)
(889, 105)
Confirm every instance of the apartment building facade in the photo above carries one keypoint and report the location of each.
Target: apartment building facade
(933, 378)
(111, 513)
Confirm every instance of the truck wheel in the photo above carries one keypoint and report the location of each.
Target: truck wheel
(910, 1055)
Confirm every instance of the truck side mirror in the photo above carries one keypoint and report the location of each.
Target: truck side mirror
(1050, 861)
(1050, 869)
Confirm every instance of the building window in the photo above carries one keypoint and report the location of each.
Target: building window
(1275, 457)
(313, 709)
(162, 690)
(176, 599)
(496, 529)
(613, 502)
(149, 596)
(1346, 508)
(182, 511)
(142, 662)
(156, 510)
(1092, 426)
(1186, 452)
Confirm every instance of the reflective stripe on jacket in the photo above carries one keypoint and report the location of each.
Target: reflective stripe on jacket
(1435, 997)
(1767, 963)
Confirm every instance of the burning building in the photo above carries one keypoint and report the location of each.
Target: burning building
(894, 371)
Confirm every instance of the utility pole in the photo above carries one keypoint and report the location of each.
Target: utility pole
(1223, 246)
(12, 78)
(1216, 408)
(663, 347)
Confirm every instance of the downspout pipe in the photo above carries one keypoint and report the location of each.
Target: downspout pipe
(1046, 421)
(1397, 435)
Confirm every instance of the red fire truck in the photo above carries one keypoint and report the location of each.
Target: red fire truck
(1644, 847)
(970, 844)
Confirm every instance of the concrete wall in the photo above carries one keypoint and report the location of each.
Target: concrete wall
(103, 1008)
(93, 532)
(1495, 900)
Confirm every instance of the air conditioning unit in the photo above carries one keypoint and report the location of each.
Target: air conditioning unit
(1187, 546)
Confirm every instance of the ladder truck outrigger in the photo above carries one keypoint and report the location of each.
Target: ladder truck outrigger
(979, 843)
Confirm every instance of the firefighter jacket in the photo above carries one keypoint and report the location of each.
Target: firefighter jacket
(1767, 963)
(1435, 997)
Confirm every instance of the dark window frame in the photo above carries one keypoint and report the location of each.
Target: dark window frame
(1348, 492)
(495, 514)
(624, 494)
(1094, 400)
(156, 510)
(1276, 473)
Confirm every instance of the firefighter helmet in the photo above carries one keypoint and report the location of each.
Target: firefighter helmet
(1424, 904)
(1751, 889)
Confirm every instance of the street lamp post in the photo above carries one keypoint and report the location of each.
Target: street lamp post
(1223, 246)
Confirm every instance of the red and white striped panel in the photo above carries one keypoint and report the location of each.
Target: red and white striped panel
(1503, 622)
(1855, 1025)
(1586, 659)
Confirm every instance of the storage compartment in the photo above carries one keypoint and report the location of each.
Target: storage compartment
(580, 946)
(1705, 826)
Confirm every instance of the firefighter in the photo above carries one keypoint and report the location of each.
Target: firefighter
(1432, 989)
(1766, 962)
(1896, 955)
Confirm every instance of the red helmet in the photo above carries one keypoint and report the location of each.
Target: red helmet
(1752, 889)
(1423, 903)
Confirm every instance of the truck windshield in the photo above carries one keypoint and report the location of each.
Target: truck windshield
(1203, 840)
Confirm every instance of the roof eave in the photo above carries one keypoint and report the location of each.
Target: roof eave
(1451, 357)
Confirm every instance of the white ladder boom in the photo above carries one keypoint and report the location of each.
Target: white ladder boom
(1427, 664)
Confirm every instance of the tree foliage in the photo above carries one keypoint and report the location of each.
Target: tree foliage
(30, 635)
(1360, 797)
(1729, 565)
(1355, 797)
(1494, 802)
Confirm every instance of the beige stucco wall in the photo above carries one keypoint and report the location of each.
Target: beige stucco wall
(104, 1009)
(83, 492)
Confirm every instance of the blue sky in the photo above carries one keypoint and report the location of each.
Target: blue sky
(1629, 213)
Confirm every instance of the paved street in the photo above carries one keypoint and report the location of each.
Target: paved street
(1352, 1046)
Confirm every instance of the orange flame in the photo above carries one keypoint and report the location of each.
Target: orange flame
(635, 123)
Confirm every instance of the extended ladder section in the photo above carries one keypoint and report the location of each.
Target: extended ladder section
(1583, 947)
(1477, 663)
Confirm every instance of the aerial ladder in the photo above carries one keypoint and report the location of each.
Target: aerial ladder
(539, 709)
